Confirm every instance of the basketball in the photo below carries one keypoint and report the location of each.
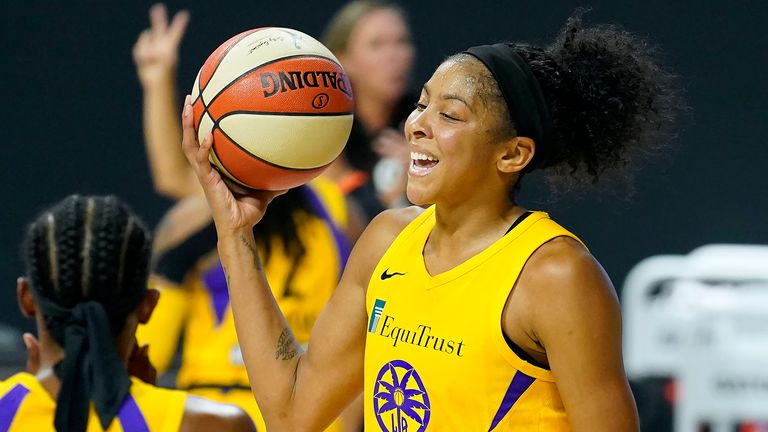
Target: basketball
(278, 104)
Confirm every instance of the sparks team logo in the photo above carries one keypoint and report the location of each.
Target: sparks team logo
(400, 401)
(378, 308)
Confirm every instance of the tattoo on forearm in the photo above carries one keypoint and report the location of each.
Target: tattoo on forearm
(254, 252)
(287, 348)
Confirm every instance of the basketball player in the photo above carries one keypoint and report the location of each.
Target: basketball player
(87, 263)
(474, 314)
(301, 243)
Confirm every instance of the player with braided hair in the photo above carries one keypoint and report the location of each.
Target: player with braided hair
(474, 313)
(86, 286)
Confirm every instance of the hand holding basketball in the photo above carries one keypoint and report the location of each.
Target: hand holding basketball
(231, 212)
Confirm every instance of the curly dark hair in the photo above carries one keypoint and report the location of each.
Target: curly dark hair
(611, 101)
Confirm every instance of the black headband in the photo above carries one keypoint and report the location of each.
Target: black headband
(522, 94)
(91, 369)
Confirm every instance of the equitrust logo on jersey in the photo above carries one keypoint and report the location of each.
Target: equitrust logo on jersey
(378, 309)
(420, 335)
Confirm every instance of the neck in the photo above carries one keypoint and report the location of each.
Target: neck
(374, 113)
(463, 230)
(52, 353)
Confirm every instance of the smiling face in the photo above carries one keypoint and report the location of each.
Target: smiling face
(456, 148)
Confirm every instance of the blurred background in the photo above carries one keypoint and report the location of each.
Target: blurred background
(72, 106)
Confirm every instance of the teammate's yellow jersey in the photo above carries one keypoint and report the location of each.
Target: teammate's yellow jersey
(195, 300)
(436, 357)
(26, 406)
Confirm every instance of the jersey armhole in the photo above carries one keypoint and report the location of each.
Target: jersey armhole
(510, 351)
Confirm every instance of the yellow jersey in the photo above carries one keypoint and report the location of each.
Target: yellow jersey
(25, 405)
(436, 357)
(194, 301)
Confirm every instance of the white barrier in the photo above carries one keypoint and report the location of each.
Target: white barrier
(656, 313)
(725, 378)
(702, 318)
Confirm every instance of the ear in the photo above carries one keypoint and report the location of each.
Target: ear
(516, 154)
(27, 304)
(144, 311)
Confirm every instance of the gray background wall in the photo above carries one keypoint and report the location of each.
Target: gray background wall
(71, 111)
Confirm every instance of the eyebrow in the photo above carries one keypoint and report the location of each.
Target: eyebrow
(453, 96)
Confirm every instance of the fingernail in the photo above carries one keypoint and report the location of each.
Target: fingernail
(187, 108)
(188, 100)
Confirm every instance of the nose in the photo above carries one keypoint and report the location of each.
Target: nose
(416, 126)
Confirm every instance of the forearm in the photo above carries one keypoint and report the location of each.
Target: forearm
(162, 135)
(269, 349)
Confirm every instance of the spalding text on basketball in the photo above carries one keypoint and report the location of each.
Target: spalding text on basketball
(282, 82)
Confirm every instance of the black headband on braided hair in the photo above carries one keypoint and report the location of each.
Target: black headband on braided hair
(89, 355)
(525, 100)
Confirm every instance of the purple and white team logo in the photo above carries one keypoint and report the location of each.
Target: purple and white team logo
(400, 401)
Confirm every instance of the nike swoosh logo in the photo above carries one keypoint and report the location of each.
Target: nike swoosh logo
(385, 275)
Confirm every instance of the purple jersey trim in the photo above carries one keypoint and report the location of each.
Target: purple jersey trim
(518, 386)
(130, 416)
(215, 281)
(342, 245)
(9, 405)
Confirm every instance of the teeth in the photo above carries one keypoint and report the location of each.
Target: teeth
(421, 156)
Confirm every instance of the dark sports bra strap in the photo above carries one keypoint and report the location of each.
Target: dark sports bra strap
(518, 221)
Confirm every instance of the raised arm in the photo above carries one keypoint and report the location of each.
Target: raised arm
(576, 318)
(156, 54)
(295, 390)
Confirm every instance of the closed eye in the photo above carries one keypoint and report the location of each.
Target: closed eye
(449, 117)
(420, 106)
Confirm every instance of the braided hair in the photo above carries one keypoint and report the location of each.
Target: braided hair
(610, 100)
(87, 261)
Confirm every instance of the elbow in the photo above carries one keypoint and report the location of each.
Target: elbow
(170, 189)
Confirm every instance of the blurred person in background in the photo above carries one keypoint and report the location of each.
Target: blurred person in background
(87, 262)
(372, 41)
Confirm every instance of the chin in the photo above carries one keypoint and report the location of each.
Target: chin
(418, 198)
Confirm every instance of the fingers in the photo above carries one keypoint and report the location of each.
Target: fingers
(140, 48)
(158, 19)
(202, 154)
(196, 152)
(189, 142)
(178, 26)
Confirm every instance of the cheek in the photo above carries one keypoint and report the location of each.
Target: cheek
(450, 145)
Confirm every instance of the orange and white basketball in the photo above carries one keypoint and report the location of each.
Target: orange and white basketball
(279, 106)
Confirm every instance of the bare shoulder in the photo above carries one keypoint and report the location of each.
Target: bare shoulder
(377, 238)
(205, 415)
(183, 219)
(568, 288)
(563, 264)
(383, 229)
(394, 220)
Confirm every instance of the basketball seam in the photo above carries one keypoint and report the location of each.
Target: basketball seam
(224, 55)
(258, 158)
(231, 83)
(216, 68)
(282, 113)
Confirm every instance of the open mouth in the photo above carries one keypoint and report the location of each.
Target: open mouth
(422, 163)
